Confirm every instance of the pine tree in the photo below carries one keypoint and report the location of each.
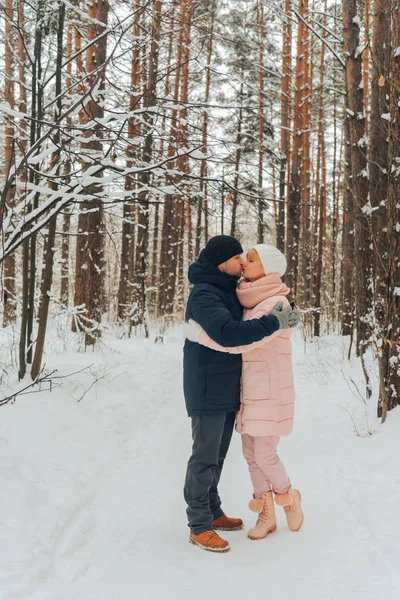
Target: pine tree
(128, 240)
(296, 190)
(320, 189)
(9, 291)
(49, 249)
(359, 177)
(390, 340)
(143, 207)
(285, 126)
(89, 283)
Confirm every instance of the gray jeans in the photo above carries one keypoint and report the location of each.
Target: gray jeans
(211, 438)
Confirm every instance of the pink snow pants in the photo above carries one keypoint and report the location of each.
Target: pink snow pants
(266, 468)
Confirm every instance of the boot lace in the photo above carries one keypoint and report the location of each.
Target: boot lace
(263, 515)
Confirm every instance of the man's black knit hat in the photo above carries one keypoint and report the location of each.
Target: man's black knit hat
(221, 248)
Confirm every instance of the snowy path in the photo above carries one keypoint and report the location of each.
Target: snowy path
(91, 504)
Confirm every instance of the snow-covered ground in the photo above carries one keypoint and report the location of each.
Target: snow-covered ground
(91, 478)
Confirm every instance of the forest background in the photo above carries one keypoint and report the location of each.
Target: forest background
(133, 131)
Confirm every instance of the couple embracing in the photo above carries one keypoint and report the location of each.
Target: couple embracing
(238, 368)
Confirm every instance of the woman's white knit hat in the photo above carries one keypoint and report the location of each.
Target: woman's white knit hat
(272, 259)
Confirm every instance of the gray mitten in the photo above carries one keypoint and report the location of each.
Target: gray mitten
(287, 318)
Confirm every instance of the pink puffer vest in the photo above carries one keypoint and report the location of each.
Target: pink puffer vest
(267, 396)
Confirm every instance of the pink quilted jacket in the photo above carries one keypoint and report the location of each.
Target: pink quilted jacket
(267, 397)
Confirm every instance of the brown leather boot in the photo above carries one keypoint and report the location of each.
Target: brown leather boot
(225, 523)
(209, 540)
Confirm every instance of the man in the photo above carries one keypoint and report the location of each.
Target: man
(212, 381)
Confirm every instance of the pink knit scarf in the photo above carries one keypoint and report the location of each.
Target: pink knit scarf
(251, 293)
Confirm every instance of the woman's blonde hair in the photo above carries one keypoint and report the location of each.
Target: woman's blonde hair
(252, 254)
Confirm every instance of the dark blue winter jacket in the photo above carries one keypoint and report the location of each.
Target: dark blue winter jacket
(211, 379)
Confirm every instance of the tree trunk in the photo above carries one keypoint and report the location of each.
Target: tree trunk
(390, 378)
(157, 259)
(9, 297)
(359, 182)
(149, 101)
(154, 255)
(320, 189)
(295, 198)
(347, 291)
(260, 28)
(89, 283)
(128, 241)
(29, 245)
(285, 124)
(37, 89)
(238, 156)
(48, 259)
(169, 251)
(65, 275)
(366, 55)
(202, 208)
(335, 191)
(378, 167)
(304, 285)
(183, 161)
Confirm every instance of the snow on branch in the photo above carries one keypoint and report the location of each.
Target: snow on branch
(323, 40)
(32, 222)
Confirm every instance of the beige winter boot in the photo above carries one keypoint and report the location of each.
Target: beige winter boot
(266, 522)
(291, 502)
